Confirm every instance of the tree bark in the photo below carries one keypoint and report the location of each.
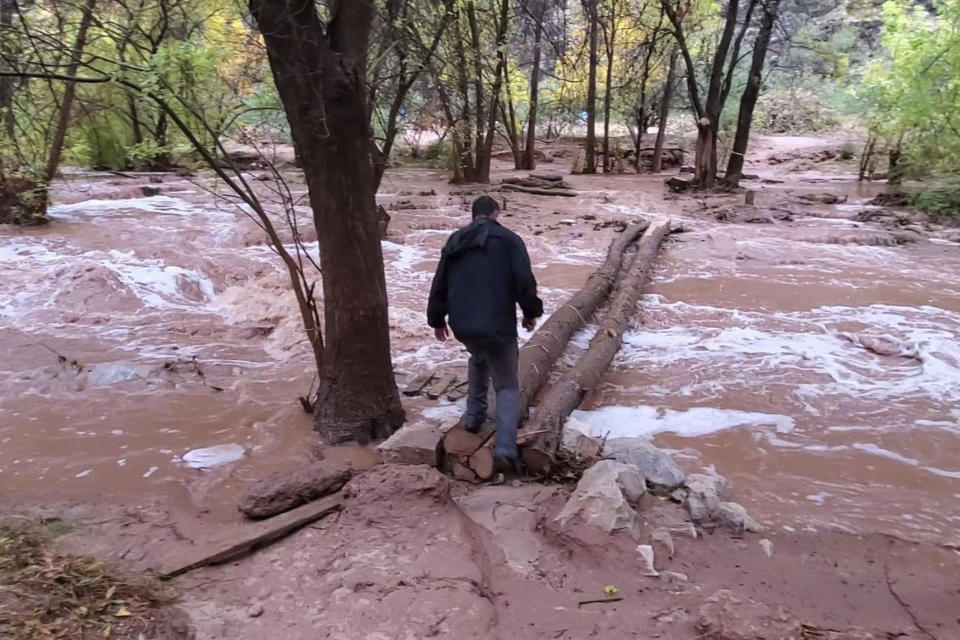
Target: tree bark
(608, 91)
(485, 153)
(477, 87)
(69, 93)
(565, 395)
(530, 157)
(590, 150)
(751, 92)
(657, 162)
(7, 123)
(320, 74)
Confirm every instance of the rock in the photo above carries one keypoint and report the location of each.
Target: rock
(428, 192)
(727, 616)
(674, 576)
(461, 472)
(262, 177)
(285, 490)
(662, 535)
(149, 191)
(156, 179)
(767, 547)
(735, 516)
(647, 556)
(658, 468)
(604, 496)
(412, 444)
(684, 170)
(883, 345)
(705, 493)
(577, 442)
(822, 198)
(679, 185)
(255, 610)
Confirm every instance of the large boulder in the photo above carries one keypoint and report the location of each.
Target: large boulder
(285, 490)
(657, 465)
(605, 496)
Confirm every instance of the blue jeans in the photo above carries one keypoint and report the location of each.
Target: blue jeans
(497, 360)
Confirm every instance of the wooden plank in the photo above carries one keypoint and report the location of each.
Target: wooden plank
(253, 537)
(540, 192)
(440, 384)
(418, 383)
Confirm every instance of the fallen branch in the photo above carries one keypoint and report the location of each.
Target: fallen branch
(540, 191)
(598, 601)
(565, 396)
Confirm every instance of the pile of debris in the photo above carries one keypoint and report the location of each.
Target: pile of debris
(541, 184)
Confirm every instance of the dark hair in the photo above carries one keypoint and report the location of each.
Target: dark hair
(484, 206)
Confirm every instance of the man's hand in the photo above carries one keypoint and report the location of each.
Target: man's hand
(529, 324)
(442, 334)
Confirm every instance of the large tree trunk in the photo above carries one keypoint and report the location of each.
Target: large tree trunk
(590, 161)
(530, 158)
(608, 93)
(320, 71)
(565, 395)
(7, 124)
(478, 126)
(705, 154)
(657, 163)
(69, 93)
(750, 93)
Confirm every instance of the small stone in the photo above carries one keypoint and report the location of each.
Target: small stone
(674, 576)
(149, 191)
(767, 547)
(255, 610)
(647, 555)
(604, 496)
(663, 536)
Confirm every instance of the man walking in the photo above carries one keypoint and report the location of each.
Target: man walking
(484, 273)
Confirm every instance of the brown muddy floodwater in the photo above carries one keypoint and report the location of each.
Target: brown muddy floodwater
(149, 347)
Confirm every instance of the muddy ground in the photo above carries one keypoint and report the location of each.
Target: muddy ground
(751, 355)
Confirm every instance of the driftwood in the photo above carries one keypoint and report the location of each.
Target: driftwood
(253, 537)
(543, 349)
(540, 191)
(539, 452)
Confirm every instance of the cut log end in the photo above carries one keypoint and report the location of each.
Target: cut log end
(482, 463)
(538, 462)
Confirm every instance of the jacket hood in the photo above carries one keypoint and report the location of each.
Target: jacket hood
(473, 236)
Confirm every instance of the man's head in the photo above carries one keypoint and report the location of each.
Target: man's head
(485, 207)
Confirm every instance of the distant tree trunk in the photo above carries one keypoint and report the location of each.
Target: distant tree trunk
(894, 166)
(320, 74)
(590, 151)
(610, 43)
(866, 158)
(69, 93)
(7, 10)
(657, 162)
(483, 161)
(464, 167)
(530, 158)
(750, 93)
(478, 127)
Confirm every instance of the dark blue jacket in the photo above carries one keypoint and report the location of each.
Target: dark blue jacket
(484, 273)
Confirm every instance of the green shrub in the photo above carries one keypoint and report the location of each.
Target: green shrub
(941, 202)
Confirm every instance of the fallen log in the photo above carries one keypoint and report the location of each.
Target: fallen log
(541, 351)
(540, 192)
(253, 537)
(539, 452)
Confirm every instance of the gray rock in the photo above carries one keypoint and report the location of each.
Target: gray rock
(735, 516)
(604, 496)
(149, 190)
(704, 495)
(657, 466)
(727, 616)
(674, 576)
(255, 610)
(413, 444)
(285, 490)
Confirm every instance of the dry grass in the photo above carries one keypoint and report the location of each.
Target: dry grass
(45, 594)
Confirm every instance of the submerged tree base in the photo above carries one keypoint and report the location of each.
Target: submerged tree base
(22, 202)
